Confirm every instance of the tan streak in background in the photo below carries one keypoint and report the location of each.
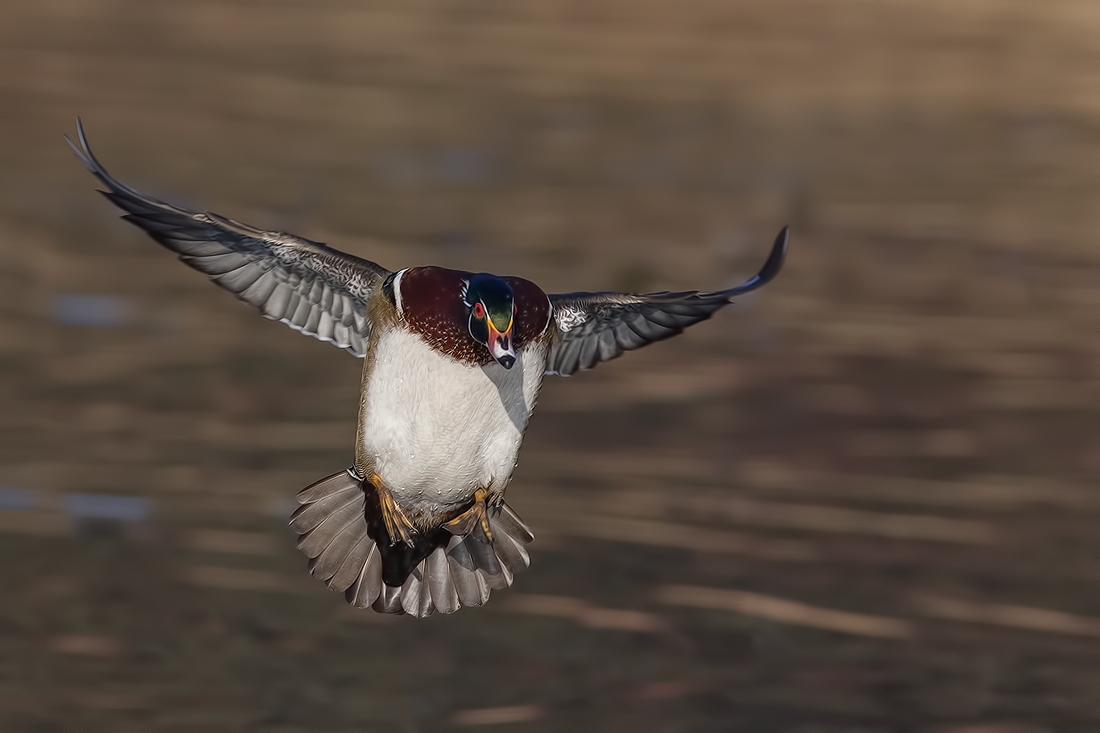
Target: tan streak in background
(1019, 617)
(785, 611)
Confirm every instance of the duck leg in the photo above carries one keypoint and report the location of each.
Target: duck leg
(398, 525)
(476, 516)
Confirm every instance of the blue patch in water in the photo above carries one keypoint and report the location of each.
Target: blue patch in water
(107, 506)
(91, 310)
(17, 500)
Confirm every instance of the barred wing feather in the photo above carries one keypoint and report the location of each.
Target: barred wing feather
(596, 327)
(307, 285)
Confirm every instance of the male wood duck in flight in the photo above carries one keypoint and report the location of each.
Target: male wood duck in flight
(452, 364)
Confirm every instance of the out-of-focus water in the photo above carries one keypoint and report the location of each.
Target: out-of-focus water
(862, 499)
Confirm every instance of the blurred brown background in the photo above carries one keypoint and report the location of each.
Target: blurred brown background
(862, 499)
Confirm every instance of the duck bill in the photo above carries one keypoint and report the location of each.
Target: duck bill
(501, 346)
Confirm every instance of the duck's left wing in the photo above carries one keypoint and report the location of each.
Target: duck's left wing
(307, 285)
(595, 327)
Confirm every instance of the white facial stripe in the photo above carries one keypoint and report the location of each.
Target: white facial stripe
(397, 291)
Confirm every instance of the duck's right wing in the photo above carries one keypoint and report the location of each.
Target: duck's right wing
(596, 327)
(307, 285)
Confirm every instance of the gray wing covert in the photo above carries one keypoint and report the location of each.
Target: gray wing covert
(307, 285)
(595, 327)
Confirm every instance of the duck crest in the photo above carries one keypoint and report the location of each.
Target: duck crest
(432, 305)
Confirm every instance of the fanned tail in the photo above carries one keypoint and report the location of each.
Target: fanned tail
(338, 524)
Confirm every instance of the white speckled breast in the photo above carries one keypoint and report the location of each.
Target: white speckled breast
(437, 429)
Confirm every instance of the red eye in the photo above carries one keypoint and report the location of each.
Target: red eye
(479, 310)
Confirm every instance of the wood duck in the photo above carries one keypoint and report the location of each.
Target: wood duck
(452, 365)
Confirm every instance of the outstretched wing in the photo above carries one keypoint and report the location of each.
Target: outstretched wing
(595, 327)
(312, 288)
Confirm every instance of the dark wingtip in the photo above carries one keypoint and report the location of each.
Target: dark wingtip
(770, 269)
(87, 157)
(778, 255)
(83, 151)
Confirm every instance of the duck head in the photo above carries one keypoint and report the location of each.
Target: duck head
(492, 311)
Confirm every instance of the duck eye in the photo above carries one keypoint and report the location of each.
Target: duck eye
(479, 311)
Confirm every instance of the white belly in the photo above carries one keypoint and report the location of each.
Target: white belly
(437, 429)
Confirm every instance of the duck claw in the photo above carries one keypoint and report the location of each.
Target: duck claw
(477, 516)
(398, 525)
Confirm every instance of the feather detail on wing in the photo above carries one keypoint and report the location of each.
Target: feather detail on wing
(307, 285)
(595, 327)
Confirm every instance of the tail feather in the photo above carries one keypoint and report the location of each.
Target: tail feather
(512, 554)
(514, 528)
(486, 560)
(440, 585)
(469, 583)
(334, 484)
(452, 572)
(331, 558)
(367, 586)
(314, 511)
(416, 598)
(321, 537)
(352, 565)
(389, 600)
